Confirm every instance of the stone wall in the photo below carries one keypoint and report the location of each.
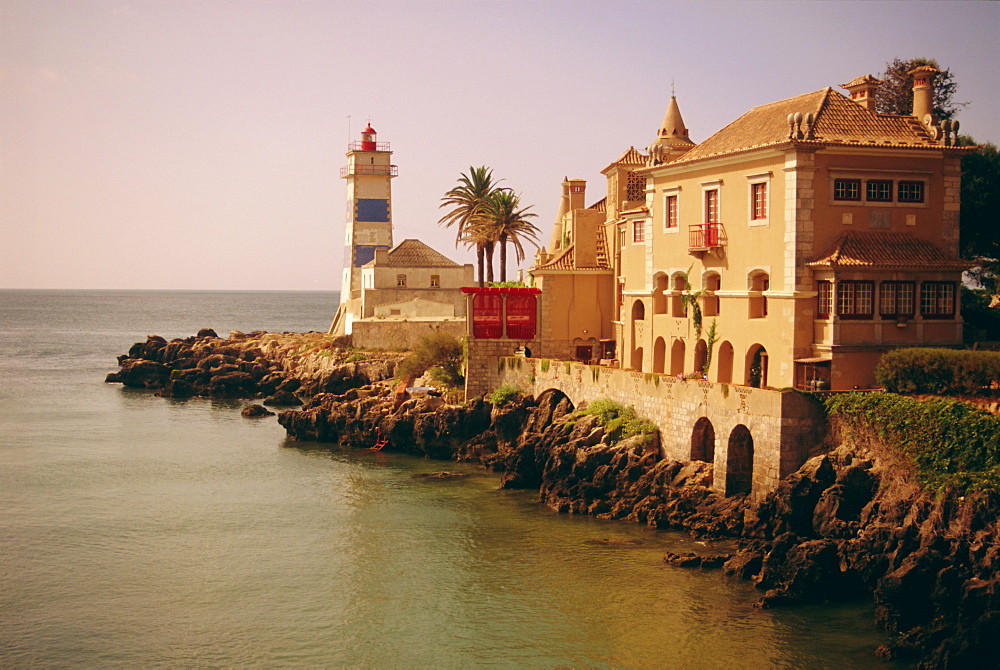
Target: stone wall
(481, 363)
(784, 426)
(400, 334)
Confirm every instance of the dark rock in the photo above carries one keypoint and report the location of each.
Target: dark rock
(206, 332)
(282, 399)
(255, 411)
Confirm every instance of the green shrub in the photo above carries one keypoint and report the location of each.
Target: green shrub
(950, 443)
(440, 354)
(619, 421)
(354, 358)
(503, 395)
(938, 371)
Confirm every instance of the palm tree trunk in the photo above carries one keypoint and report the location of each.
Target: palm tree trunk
(480, 258)
(503, 258)
(489, 261)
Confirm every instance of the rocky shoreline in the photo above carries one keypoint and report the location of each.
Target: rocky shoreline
(851, 523)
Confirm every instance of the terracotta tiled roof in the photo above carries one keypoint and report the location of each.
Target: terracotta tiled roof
(879, 250)
(838, 120)
(566, 260)
(863, 79)
(415, 254)
(632, 157)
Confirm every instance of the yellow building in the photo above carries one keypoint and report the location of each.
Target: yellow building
(791, 248)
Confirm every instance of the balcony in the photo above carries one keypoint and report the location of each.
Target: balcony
(377, 170)
(368, 146)
(704, 236)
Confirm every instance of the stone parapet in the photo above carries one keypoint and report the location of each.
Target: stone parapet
(783, 425)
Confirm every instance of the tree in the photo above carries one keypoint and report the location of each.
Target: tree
(507, 222)
(980, 214)
(895, 94)
(440, 353)
(468, 202)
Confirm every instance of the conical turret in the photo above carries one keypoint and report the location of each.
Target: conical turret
(673, 131)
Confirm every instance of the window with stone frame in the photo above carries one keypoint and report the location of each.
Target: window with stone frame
(400, 281)
(937, 299)
(635, 187)
(712, 206)
(847, 189)
(435, 281)
(670, 214)
(855, 299)
(895, 298)
(758, 196)
(878, 190)
(910, 191)
(824, 299)
(638, 231)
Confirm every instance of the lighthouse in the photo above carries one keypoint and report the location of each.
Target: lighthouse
(369, 176)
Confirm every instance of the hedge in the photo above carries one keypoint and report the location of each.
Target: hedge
(938, 371)
(949, 442)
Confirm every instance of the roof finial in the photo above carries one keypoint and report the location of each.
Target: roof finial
(673, 91)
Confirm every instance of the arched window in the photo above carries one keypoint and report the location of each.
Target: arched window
(638, 311)
(701, 357)
(677, 307)
(703, 441)
(659, 293)
(711, 282)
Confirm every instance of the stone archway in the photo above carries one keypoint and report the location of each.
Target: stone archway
(703, 441)
(701, 357)
(756, 366)
(659, 355)
(677, 357)
(724, 365)
(739, 461)
(636, 363)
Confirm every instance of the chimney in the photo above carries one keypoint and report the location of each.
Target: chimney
(577, 192)
(862, 90)
(923, 93)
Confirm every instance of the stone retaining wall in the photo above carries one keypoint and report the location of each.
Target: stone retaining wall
(784, 426)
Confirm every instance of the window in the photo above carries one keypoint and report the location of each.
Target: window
(635, 187)
(712, 206)
(621, 237)
(937, 300)
(855, 299)
(847, 189)
(401, 281)
(670, 215)
(435, 281)
(911, 191)
(878, 190)
(639, 231)
(824, 299)
(758, 195)
(759, 283)
(895, 298)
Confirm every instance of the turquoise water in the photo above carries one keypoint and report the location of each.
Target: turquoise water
(142, 531)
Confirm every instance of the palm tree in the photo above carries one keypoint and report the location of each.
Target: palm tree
(468, 202)
(509, 222)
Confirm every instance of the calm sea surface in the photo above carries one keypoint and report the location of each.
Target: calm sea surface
(142, 531)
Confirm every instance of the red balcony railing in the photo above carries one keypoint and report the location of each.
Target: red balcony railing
(703, 236)
(380, 170)
(367, 146)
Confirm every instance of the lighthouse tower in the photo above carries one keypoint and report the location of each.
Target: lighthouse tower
(369, 217)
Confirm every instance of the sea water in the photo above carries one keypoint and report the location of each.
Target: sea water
(138, 531)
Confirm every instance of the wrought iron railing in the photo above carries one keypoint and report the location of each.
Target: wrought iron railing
(704, 235)
(379, 170)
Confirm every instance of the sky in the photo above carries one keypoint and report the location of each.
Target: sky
(198, 144)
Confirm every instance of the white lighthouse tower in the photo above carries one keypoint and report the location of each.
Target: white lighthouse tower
(369, 218)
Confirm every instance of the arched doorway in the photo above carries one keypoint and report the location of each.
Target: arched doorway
(724, 366)
(701, 357)
(677, 357)
(756, 366)
(659, 355)
(739, 462)
(703, 441)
